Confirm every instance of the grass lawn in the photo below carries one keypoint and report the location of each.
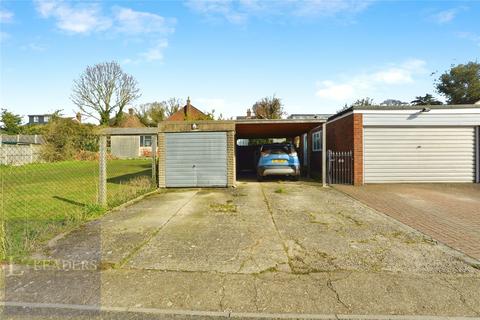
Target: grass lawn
(41, 200)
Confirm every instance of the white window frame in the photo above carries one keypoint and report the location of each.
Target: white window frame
(317, 141)
(142, 141)
(36, 119)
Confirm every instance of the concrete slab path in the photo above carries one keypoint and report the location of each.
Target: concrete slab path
(273, 249)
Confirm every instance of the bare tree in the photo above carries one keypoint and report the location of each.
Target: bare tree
(172, 105)
(103, 90)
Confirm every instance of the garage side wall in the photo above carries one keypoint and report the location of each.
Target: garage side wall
(346, 134)
(315, 157)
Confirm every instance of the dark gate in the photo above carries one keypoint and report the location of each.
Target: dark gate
(340, 167)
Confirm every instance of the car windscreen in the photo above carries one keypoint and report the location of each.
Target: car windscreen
(277, 149)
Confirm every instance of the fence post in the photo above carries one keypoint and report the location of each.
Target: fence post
(324, 154)
(102, 173)
(154, 160)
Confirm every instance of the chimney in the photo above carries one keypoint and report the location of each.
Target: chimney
(130, 111)
(188, 102)
(78, 116)
(249, 113)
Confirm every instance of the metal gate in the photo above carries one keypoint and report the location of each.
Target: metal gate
(340, 167)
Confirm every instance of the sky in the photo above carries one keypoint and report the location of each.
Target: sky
(316, 55)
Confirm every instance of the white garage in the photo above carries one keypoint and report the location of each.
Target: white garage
(419, 154)
(417, 144)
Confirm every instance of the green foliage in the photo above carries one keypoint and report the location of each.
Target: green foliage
(461, 84)
(268, 108)
(426, 100)
(33, 129)
(150, 114)
(11, 123)
(64, 138)
(365, 102)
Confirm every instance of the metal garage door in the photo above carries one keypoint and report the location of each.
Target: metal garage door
(420, 154)
(196, 159)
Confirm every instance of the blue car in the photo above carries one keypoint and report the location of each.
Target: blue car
(278, 159)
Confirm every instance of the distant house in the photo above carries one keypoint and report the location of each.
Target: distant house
(188, 112)
(41, 119)
(34, 119)
(127, 147)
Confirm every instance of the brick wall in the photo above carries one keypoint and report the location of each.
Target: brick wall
(346, 134)
(161, 160)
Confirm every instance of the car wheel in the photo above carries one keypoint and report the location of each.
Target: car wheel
(295, 178)
(259, 178)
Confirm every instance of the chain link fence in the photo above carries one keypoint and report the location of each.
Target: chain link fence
(44, 195)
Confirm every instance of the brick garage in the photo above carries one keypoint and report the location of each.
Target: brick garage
(409, 143)
(201, 154)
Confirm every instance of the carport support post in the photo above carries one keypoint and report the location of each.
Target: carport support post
(324, 154)
(154, 160)
(102, 172)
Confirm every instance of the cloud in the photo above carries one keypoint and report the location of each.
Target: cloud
(369, 84)
(239, 11)
(446, 16)
(79, 18)
(149, 29)
(6, 16)
(136, 22)
(155, 52)
(475, 38)
(4, 36)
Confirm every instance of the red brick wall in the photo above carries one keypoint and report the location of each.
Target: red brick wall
(357, 149)
(346, 134)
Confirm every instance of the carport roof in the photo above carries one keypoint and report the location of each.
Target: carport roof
(278, 128)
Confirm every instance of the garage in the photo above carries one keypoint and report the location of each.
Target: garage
(409, 144)
(196, 159)
(196, 154)
(419, 154)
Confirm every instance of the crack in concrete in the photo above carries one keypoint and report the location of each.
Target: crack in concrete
(222, 298)
(270, 211)
(337, 295)
(461, 296)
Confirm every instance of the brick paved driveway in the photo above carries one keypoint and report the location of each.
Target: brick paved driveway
(449, 213)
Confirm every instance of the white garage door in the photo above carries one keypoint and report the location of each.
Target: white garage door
(420, 154)
(196, 159)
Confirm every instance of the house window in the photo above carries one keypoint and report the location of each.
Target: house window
(46, 118)
(317, 141)
(145, 141)
(36, 119)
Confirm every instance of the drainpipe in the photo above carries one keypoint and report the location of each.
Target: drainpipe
(477, 153)
(324, 154)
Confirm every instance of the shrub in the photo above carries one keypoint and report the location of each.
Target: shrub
(65, 138)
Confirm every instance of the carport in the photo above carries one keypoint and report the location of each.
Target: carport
(291, 129)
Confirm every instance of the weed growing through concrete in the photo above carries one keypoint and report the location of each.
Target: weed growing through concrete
(228, 207)
(280, 190)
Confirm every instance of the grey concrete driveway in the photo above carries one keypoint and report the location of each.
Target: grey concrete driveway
(273, 247)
